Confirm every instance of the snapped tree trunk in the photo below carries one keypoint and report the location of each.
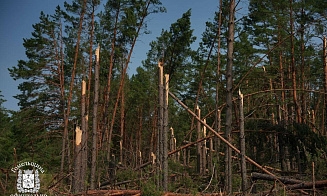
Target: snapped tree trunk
(84, 138)
(165, 133)
(95, 119)
(242, 145)
(77, 160)
(204, 150)
(160, 123)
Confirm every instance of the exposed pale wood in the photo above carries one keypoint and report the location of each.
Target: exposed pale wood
(165, 132)
(160, 123)
(172, 143)
(242, 143)
(78, 139)
(84, 148)
(77, 160)
(95, 118)
(204, 150)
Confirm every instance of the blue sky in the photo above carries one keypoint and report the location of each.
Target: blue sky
(17, 17)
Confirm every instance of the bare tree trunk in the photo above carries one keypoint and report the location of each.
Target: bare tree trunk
(281, 74)
(165, 133)
(217, 75)
(218, 142)
(297, 107)
(139, 137)
(325, 86)
(78, 160)
(282, 113)
(198, 145)
(204, 150)
(65, 136)
(84, 138)
(160, 123)
(242, 145)
(122, 123)
(229, 97)
(303, 78)
(89, 88)
(106, 97)
(95, 118)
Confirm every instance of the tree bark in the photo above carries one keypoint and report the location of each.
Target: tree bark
(204, 150)
(242, 145)
(229, 97)
(84, 138)
(122, 123)
(198, 146)
(165, 133)
(77, 160)
(160, 122)
(325, 85)
(308, 185)
(303, 78)
(95, 118)
(217, 75)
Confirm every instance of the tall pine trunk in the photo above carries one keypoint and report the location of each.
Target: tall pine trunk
(242, 144)
(325, 85)
(217, 113)
(65, 135)
(293, 69)
(229, 97)
(95, 119)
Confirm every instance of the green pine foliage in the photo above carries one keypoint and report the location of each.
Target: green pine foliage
(262, 71)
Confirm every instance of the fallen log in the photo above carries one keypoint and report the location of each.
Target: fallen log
(110, 192)
(308, 185)
(295, 184)
(261, 176)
